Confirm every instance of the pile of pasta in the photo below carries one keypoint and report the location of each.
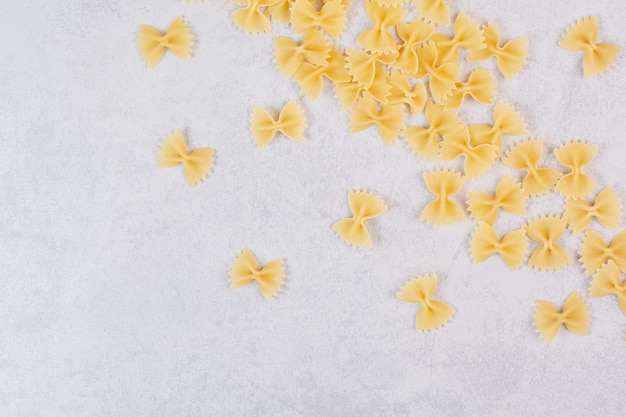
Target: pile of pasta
(402, 67)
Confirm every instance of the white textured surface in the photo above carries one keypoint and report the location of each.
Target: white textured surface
(114, 297)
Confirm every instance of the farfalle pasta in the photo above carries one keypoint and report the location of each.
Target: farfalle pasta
(606, 281)
(575, 155)
(478, 159)
(467, 35)
(432, 313)
(280, 10)
(506, 121)
(364, 206)
(424, 140)
(435, 11)
(606, 209)
(594, 252)
(270, 277)
(443, 183)
(152, 44)
(331, 18)
(509, 197)
(363, 66)
(485, 243)
(196, 164)
(289, 55)
(402, 93)
(525, 155)
(250, 18)
(574, 316)
(581, 37)
(412, 35)
(389, 119)
(291, 123)
(310, 77)
(442, 77)
(546, 230)
(511, 57)
(480, 86)
(348, 92)
(377, 38)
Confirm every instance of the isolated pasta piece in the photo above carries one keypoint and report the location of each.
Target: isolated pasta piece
(291, 123)
(434, 11)
(574, 316)
(594, 252)
(377, 38)
(478, 159)
(310, 76)
(547, 230)
(606, 209)
(289, 55)
(362, 66)
(581, 37)
(512, 247)
(480, 85)
(196, 164)
(364, 206)
(443, 183)
(279, 10)
(442, 77)
(432, 313)
(389, 120)
(331, 17)
(153, 44)
(506, 121)
(401, 92)
(511, 57)
(412, 34)
(606, 281)
(525, 155)
(467, 35)
(509, 197)
(575, 155)
(270, 277)
(424, 141)
(250, 18)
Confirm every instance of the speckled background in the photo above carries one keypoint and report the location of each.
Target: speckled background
(114, 298)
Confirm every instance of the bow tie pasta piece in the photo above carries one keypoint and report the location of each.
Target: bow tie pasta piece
(574, 316)
(581, 37)
(423, 141)
(512, 248)
(480, 85)
(478, 159)
(525, 155)
(467, 35)
(362, 66)
(364, 206)
(280, 11)
(547, 230)
(606, 282)
(442, 211)
(412, 34)
(506, 121)
(177, 39)
(291, 122)
(509, 197)
(389, 120)
(442, 77)
(390, 3)
(511, 57)
(331, 17)
(380, 88)
(434, 11)
(196, 164)
(401, 92)
(310, 76)
(244, 270)
(432, 313)
(348, 92)
(575, 155)
(250, 18)
(606, 209)
(594, 252)
(378, 39)
(315, 48)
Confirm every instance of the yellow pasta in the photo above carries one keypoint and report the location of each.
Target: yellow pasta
(434, 11)
(574, 316)
(412, 34)
(607, 282)
(250, 18)
(511, 57)
(606, 210)
(196, 164)
(389, 120)
(310, 76)
(581, 37)
(547, 230)
(331, 17)
(575, 155)
(594, 252)
(280, 10)
(401, 92)
(152, 44)
(525, 155)
(467, 35)
(480, 85)
(377, 38)
(443, 183)
(478, 159)
(291, 123)
(506, 121)
(289, 55)
(390, 3)
(362, 66)
(512, 247)
(424, 141)
(509, 197)
(270, 277)
(380, 88)
(364, 206)
(442, 76)
(432, 313)
(348, 92)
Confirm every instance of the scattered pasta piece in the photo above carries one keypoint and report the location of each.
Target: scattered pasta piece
(509, 197)
(310, 76)
(315, 48)
(480, 85)
(377, 38)
(331, 17)
(362, 66)
(364, 206)
(594, 252)
(434, 11)
(467, 35)
(581, 37)
(575, 155)
(442, 76)
(547, 230)
(389, 120)
(443, 183)
(401, 92)
(348, 92)
(478, 159)
(506, 121)
(250, 18)
(424, 141)
(279, 10)
(511, 57)
(291, 122)
(606, 282)
(244, 270)
(153, 44)
(432, 313)
(525, 155)
(512, 247)
(412, 34)
(196, 164)
(606, 209)
(574, 316)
